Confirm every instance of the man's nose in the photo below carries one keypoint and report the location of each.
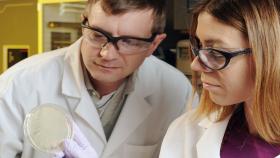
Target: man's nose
(108, 51)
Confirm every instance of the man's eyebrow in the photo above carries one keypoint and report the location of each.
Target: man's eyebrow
(100, 29)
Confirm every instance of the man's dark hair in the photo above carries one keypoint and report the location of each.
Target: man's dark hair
(115, 7)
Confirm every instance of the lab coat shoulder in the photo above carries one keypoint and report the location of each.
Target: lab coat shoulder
(162, 79)
(166, 87)
(21, 84)
(161, 72)
(32, 73)
(182, 136)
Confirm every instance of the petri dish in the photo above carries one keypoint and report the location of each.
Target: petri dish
(46, 126)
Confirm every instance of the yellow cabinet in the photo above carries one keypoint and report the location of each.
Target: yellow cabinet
(37, 26)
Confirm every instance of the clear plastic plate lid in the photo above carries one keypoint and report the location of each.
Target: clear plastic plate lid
(46, 126)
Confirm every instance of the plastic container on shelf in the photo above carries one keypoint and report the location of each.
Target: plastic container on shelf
(183, 59)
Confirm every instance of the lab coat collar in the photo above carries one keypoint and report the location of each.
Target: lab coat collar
(87, 110)
(73, 87)
(135, 111)
(73, 71)
(209, 144)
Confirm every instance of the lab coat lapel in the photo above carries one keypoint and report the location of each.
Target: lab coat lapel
(87, 111)
(209, 144)
(74, 89)
(72, 80)
(135, 111)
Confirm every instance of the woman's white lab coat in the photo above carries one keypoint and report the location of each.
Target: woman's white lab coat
(187, 138)
(159, 96)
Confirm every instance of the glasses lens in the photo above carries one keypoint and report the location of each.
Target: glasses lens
(212, 59)
(96, 38)
(130, 45)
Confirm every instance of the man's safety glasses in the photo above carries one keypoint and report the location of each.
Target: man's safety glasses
(124, 44)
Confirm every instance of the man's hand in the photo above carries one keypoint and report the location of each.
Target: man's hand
(78, 147)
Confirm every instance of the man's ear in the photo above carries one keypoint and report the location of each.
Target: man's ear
(158, 39)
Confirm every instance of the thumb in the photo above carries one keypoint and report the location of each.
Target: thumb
(72, 149)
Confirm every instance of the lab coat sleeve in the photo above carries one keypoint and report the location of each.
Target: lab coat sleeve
(11, 121)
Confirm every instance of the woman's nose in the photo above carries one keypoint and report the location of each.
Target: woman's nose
(196, 65)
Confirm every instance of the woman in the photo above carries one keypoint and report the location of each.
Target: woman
(236, 47)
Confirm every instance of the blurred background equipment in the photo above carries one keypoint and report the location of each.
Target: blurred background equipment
(184, 60)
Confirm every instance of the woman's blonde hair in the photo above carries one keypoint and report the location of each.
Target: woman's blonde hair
(259, 21)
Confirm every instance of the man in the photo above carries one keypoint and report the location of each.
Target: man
(119, 96)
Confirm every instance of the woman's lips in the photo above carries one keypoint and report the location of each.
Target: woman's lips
(210, 86)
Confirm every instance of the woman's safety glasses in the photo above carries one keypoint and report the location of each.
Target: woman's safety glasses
(213, 58)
